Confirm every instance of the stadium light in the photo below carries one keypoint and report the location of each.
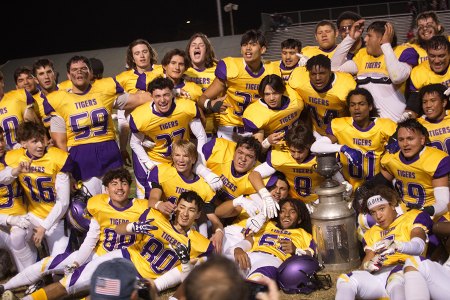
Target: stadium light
(229, 8)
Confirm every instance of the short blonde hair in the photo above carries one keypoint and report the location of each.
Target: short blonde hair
(186, 146)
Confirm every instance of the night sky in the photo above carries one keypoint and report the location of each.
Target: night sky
(39, 29)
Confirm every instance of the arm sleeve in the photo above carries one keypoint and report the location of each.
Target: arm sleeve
(324, 145)
(349, 67)
(413, 247)
(441, 195)
(62, 187)
(340, 55)
(121, 101)
(6, 176)
(265, 170)
(57, 124)
(136, 145)
(199, 132)
(121, 119)
(89, 243)
(398, 71)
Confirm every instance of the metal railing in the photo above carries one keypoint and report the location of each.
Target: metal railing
(332, 13)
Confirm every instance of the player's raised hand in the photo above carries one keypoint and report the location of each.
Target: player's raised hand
(144, 227)
(275, 137)
(255, 223)
(388, 34)
(270, 206)
(357, 29)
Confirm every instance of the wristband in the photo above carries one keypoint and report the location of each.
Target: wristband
(156, 204)
(205, 105)
(219, 230)
(266, 144)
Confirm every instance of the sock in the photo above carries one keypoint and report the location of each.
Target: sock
(38, 295)
(23, 257)
(416, 286)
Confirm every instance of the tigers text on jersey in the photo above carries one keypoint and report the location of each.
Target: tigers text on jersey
(153, 255)
(108, 217)
(39, 185)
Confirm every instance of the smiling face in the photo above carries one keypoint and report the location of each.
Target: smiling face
(289, 217)
(439, 59)
(326, 37)
(182, 161)
(433, 106)
(427, 28)
(384, 215)
(244, 159)
(162, 99)
(280, 190)
(27, 82)
(176, 67)
(186, 213)
(410, 141)
(319, 77)
(118, 191)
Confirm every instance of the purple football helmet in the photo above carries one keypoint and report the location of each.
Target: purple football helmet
(297, 274)
(76, 214)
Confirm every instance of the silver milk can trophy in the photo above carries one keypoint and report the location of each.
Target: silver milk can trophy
(333, 220)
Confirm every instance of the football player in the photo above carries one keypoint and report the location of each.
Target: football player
(322, 90)
(387, 244)
(153, 253)
(326, 35)
(239, 79)
(105, 212)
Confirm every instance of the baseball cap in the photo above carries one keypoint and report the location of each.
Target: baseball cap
(113, 279)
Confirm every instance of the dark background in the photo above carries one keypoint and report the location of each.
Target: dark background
(38, 28)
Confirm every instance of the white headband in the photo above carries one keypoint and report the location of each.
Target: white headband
(375, 201)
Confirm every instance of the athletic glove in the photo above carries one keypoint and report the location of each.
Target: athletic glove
(393, 146)
(270, 207)
(19, 221)
(214, 181)
(250, 206)
(386, 247)
(148, 143)
(142, 227)
(348, 188)
(255, 223)
(352, 155)
(374, 264)
(183, 252)
(69, 269)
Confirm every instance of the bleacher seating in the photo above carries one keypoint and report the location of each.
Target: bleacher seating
(305, 32)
